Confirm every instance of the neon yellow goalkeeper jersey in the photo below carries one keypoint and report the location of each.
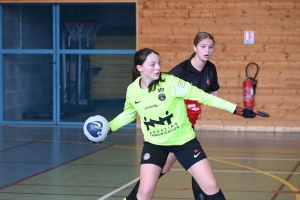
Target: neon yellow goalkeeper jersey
(162, 112)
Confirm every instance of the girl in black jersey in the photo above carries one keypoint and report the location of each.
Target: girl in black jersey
(202, 73)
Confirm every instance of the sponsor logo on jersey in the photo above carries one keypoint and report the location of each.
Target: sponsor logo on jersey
(160, 121)
(169, 129)
(152, 106)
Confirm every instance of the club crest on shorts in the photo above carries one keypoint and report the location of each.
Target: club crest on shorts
(146, 156)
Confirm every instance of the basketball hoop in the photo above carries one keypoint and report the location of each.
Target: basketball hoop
(79, 30)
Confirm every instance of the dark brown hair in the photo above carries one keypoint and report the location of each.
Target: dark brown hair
(139, 59)
(199, 37)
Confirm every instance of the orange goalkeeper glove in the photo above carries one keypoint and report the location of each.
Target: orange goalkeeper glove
(249, 112)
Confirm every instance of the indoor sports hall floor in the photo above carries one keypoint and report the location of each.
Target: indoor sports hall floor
(48, 163)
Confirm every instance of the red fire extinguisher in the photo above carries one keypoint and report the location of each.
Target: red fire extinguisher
(249, 87)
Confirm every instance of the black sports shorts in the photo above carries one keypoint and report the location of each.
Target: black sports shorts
(187, 154)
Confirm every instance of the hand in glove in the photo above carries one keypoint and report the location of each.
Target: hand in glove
(249, 112)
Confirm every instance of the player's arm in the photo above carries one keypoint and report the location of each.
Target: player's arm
(245, 112)
(185, 90)
(215, 93)
(127, 116)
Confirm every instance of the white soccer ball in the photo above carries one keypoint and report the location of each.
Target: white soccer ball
(96, 128)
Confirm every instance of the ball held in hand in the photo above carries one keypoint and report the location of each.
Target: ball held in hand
(96, 128)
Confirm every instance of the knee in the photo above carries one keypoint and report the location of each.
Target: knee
(145, 193)
(211, 187)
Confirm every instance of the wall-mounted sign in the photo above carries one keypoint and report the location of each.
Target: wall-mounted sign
(248, 37)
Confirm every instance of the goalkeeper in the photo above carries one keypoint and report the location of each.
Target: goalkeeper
(158, 99)
(202, 73)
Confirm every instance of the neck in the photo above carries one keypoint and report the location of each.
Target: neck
(197, 64)
(143, 84)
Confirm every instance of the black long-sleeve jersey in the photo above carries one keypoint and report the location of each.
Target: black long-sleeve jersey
(206, 79)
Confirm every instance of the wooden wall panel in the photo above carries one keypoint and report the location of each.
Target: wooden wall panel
(63, 1)
(169, 27)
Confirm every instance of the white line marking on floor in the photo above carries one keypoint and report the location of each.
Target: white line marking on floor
(295, 173)
(241, 171)
(119, 189)
(233, 158)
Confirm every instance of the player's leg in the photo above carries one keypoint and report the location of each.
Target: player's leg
(192, 157)
(153, 159)
(197, 191)
(149, 174)
(203, 174)
(135, 189)
(170, 161)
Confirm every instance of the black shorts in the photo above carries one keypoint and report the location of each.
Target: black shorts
(187, 154)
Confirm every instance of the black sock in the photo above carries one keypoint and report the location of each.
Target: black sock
(218, 196)
(198, 193)
(134, 191)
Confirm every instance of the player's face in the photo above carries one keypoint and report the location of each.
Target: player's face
(150, 69)
(204, 49)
